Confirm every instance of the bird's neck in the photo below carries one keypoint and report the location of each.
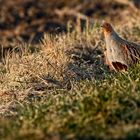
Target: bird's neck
(111, 35)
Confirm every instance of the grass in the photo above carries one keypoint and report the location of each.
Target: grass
(62, 90)
(109, 109)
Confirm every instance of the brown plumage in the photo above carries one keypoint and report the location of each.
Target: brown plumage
(120, 53)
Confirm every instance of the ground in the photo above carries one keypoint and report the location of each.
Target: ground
(54, 83)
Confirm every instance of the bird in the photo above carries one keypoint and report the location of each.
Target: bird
(120, 54)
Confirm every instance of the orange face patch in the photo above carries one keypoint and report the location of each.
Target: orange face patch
(107, 28)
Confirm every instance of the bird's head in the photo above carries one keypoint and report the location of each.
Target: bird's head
(107, 28)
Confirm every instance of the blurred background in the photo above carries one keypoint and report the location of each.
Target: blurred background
(28, 20)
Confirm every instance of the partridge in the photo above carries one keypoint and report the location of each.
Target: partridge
(120, 54)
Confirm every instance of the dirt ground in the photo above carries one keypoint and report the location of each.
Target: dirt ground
(28, 20)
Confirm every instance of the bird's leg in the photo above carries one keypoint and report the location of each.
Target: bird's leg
(107, 62)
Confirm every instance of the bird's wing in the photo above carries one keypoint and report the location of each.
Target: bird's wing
(132, 51)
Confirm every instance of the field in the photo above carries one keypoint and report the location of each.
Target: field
(54, 84)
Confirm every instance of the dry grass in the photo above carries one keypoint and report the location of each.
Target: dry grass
(58, 62)
(65, 76)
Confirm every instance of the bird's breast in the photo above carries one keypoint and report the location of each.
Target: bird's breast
(115, 52)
